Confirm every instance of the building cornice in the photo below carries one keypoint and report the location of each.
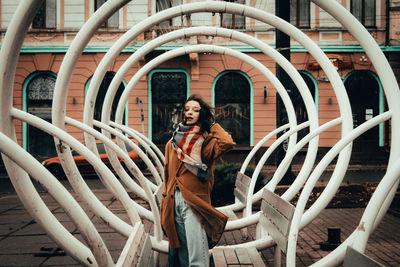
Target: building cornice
(246, 49)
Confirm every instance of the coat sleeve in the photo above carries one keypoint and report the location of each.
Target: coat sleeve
(166, 162)
(218, 142)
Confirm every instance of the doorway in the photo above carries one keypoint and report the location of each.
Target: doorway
(363, 91)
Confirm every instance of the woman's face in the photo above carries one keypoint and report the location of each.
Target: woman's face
(192, 112)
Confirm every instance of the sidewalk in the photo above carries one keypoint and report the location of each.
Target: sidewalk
(24, 243)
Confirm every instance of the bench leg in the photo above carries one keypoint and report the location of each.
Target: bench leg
(244, 231)
(232, 216)
(260, 231)
(277, 257)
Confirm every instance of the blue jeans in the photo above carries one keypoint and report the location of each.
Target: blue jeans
(193, 238)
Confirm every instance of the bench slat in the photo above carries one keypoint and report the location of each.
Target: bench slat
(130, 253)
(239, 256)
(356, 258)
(240, 196)
(146, 258)
(276, 217)
(219, 257)
(243, 256)
(242, 186)
(255, 257)
(284, 207)
(280, 222)
(243, 178)
(277, 236)
(230, 256)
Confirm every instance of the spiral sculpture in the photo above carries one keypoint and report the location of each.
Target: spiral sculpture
(20, 165)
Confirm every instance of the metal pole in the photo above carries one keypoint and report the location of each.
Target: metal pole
(282, 42)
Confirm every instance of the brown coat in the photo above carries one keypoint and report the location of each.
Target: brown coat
(195, 192)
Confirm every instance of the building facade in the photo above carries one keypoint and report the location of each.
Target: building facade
(244, 100)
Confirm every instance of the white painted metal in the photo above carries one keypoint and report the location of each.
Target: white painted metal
(149, 147)
(367, 223)
(212, 31)
(238, 205)
(387, 78)
(316, 52)
(107, 175)
(213, 49)
(327, 64)
(9, 55)
(393, 95)
(240, 223)
(43, 216)
(58, 116)
(132, 185)
(266, 241)
(100, 72)
(262, 161)
(343, 101)
(298, 222)
(260, 144)
(142, 155)
(215, 7)
(374, 212)
(94, 204)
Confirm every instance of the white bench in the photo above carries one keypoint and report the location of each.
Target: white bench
(244, 256)
(355, 258)
(242, 184)
(275, 220)
(138, 249)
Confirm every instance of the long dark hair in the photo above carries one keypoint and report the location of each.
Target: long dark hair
(206, 117)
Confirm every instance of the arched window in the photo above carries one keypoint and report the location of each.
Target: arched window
(168, 91)
(39, 96)
(364, 91)
(232, 105)
(101, 95)
(298, 103)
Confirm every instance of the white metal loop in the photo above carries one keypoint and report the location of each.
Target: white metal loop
(18, 170)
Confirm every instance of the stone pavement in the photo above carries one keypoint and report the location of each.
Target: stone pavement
(24, 243)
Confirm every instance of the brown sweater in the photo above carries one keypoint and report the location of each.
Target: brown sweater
(195, 192)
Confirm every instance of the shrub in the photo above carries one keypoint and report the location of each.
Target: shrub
(224, 183)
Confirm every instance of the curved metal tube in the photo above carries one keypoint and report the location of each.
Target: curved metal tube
(365, 228)
(95, 205)
(375, 209)
(253, 218)
(45, 218)
(298, 221)
(147, 145)
(130, 184)
(212, 31)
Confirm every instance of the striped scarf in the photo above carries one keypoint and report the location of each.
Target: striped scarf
(187, 141)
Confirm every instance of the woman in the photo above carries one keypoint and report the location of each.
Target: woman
(191, 224)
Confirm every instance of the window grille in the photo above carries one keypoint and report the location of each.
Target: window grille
(168, 92)
(232, 106)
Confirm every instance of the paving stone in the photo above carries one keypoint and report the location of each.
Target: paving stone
(36, 229)
(27, 244)
(20, 260)
(20, 240)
